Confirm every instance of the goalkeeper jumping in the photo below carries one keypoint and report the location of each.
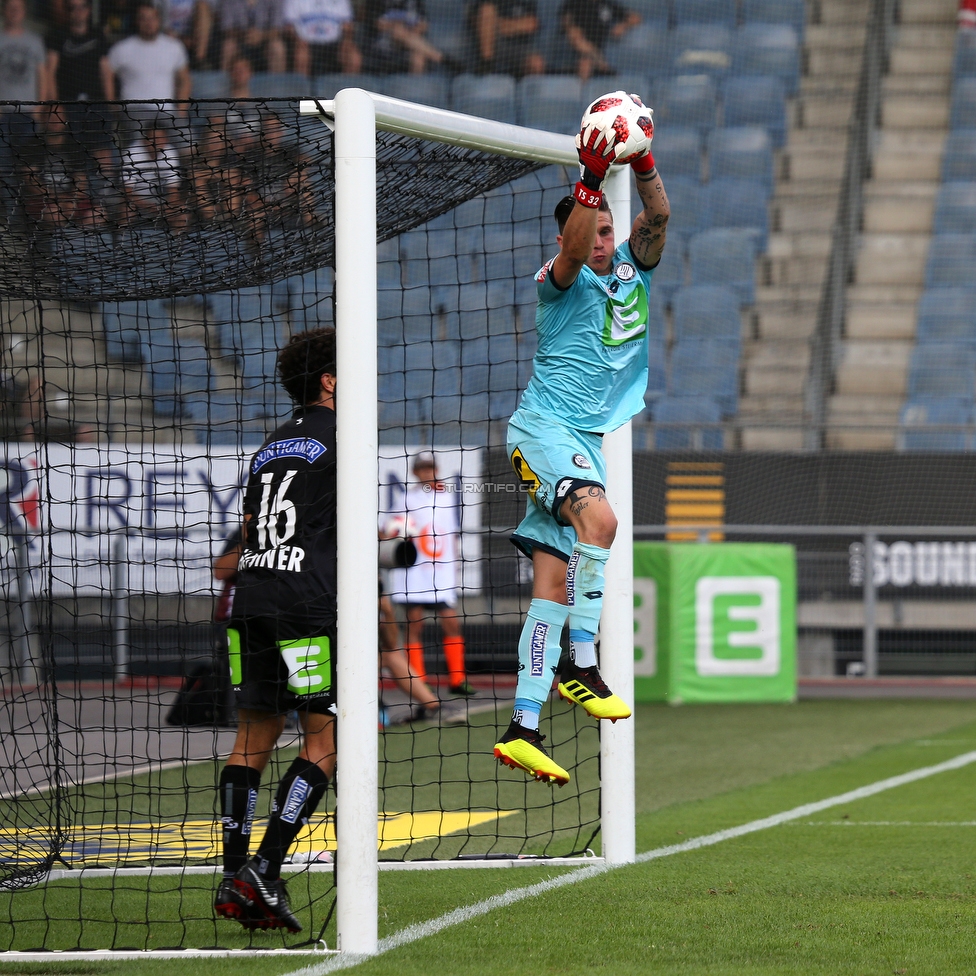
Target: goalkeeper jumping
(589, 377)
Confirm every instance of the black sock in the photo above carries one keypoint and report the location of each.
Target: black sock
(298, 795)
(238, 797)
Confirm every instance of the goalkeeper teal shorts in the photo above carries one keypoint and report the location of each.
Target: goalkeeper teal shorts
(548, 457)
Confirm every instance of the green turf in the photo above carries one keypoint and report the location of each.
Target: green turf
(823, 898)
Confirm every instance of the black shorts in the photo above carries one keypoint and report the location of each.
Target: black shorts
(276, 669)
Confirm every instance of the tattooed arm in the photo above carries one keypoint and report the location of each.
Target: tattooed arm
(648, 233)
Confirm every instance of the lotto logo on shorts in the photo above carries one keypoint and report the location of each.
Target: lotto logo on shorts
(295, 801)
(537, 649)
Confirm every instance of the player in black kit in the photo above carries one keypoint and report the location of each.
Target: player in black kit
(281, 635)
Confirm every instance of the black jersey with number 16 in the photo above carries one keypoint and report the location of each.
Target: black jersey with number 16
(288, 562)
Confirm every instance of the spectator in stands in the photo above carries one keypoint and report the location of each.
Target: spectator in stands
(116, 17)
(216, 189)
(23, 76)
(323, 36)
(79, 72)
(151, 65)
(395, 39)
(252, 28)
(967, 14)
(239, 74)
(190, 21)
(505, 37)
(151, 178)
(588, 25)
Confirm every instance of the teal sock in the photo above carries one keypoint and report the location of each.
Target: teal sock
(539, 652)
(584, 586)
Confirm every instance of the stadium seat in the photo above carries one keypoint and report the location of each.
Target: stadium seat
(704, 12)
(920, 420)
(688, 100)
(706, 367)
(270, 85)
(447, 28)
(739, 203)
(550, 102)
(707, 312)
(687, 422)
(792, 12)
(678, 152)
(952, 260)
(487, 96)
(655, 313)
(429, 89)
(964, 59)
(756, 100)
(963, 106)
(326, 86)
(669, 275)
(309, 298)
(688, 213)
(637, 82)
(942, 370)
(768, 49)
(955, 208)
(959, 157)
(657, 374)
(644, 49)
(947, 315)
(650, 10)
(209, 84)
(725, 256)
(701, 49)
(740, 153)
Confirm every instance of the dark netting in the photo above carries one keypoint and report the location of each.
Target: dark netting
(122, 201)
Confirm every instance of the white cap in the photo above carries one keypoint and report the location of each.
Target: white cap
(425, 459)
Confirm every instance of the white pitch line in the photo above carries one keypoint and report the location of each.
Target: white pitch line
(413, 933)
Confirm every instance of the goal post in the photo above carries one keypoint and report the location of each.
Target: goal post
(353, 114)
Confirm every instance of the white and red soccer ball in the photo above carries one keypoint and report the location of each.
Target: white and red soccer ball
(630, 119)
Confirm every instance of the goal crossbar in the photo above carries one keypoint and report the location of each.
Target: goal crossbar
(353, 115)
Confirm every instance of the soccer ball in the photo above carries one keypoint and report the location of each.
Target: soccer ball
(628, 117)
(400, 526)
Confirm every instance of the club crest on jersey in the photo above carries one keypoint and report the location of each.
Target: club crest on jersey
(626, 318)
(581, 462)
(625, 271)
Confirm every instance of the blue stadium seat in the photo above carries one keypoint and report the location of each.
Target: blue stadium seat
(963, 106)
(952, 260)
(688, 212)
(309, 299)
(942, 370)
(707, 312)
(742, 153)
(446, 28)
(429, 89)
(657, 373)
(701, 49)
(670, 274)
(768, 49)
(920, 421)
(644, 49)
(688, 100)
(739, 203)
(704, 12)
(964, 60)
(326, 86)
(653, 10)
(955, 208)
(655, 313)
(487, 96)
(959, 157)
(270, 85)
(678, 152)
(688, 422)
(725, 257)
(550, 102)
(947, 315)
(209, 84)
(792, 12)
(756, 100)
(706, 367)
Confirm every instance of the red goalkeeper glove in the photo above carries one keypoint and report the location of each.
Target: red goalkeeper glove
(596, 150)
(643, 164)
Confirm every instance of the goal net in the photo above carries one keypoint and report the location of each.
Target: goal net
(149, 282)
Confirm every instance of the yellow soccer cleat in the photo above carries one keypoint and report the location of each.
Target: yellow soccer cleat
(521, 748)
(585, 687)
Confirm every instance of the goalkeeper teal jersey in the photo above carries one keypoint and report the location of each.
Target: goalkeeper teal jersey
(590, 370)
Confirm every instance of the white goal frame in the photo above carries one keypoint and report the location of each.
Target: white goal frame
(354, 115)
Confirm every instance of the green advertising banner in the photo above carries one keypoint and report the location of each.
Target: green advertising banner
(714, 622)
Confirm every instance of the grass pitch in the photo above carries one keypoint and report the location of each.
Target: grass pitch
(882, 885)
